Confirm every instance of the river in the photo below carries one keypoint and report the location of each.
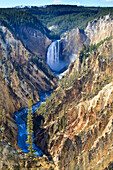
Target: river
(53, 60)
(20, 118)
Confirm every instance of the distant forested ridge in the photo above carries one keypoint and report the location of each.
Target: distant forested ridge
(13, 18)
(67, 17)
(62, 17)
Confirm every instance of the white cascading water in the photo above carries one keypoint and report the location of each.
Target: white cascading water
(53, 56)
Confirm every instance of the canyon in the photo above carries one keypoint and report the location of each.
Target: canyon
(78, 129)
(21, 74)
(80, 122)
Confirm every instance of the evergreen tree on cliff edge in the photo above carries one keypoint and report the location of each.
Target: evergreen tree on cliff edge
(30, 128)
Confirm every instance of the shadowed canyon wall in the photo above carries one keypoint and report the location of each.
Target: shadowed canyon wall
(21, 74)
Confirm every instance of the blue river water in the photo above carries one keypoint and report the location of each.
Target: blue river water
(20, 118)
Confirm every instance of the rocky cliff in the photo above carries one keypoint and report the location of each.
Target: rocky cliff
(15, 159)
(78, 128)
(72, 43)
(34, 40)
(96, 31)
(21, 73)
(99, 29)
(79, 114)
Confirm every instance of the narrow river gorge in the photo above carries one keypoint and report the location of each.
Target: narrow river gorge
(54, 62)
(21, 118)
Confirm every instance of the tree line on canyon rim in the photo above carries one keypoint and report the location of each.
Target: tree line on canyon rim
(64, 17)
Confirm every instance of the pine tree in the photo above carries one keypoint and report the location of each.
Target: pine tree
(64, 109)
(42, 122)
(63, 123)
(2, 128)
(30, 128)
(84, 60)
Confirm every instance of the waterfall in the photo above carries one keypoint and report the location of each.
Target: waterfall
(54, 58)
(53, 55)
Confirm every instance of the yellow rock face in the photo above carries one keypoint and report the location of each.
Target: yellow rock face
(85, 102)
(19, 77)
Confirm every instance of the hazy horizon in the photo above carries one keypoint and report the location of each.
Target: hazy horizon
(87, 3)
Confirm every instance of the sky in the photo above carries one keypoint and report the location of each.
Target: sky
(13, 3)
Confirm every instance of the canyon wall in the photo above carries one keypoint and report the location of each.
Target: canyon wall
(34, 40)
(96, 31)
(78, 128)
(79, 114)
(21, 74)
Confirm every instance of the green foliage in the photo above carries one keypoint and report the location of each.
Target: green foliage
(30, 128)
(40, 64)
(102, 81)
(2, 35)
(14, 18)
(87, 49)
(68, 80)
(42, 122)
(2, 126)
(65, 17)
(64, 122)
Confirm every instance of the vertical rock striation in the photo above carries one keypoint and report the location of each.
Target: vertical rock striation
(21, 74)
(79, 113)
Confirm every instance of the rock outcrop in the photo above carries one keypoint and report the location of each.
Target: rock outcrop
(72, 43)
(21, 74)
(79, 113)
(78, 128)
(34, 40)
(15, 159)
(96, 31)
